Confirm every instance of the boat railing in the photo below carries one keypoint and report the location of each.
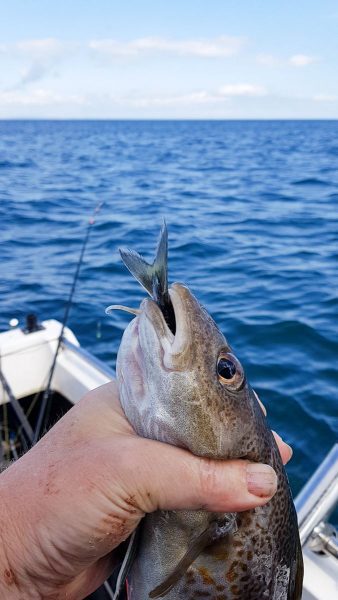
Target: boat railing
(96, 362)
(316, 502)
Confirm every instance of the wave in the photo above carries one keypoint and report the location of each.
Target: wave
(25, 164)
(311, 181)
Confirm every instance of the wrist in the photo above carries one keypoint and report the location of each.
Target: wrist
(14, 583)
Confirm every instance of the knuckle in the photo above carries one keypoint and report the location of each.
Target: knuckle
(208, 478)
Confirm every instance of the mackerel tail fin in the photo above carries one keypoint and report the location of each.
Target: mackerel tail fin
(153, 277)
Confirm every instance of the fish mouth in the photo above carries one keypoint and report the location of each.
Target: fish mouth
(171, 326)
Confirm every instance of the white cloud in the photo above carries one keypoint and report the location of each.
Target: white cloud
(223, 94)
(325, 98)
(38, 97)
(297, 60)
(51, 48)
(37, 49)
(220, 47)
(242, 89)
(301, 60)
(41, 49)
(194, 98)
(44, 97)
(37, 57)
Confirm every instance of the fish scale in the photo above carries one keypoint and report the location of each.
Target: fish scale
(187, 401)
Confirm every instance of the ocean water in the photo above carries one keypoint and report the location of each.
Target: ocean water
(252, 214)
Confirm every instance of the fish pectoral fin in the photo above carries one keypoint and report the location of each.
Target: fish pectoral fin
(215, 531)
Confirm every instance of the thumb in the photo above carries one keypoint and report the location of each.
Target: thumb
(171, 478)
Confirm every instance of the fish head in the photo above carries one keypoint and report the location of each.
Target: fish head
(184, 385)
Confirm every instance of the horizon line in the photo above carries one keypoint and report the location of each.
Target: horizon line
(161, 119)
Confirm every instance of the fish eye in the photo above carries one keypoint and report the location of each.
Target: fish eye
(229, 370)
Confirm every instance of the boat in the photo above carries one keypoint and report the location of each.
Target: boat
(33, 350)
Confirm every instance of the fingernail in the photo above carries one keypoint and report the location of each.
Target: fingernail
(261, 480)
(289, 449)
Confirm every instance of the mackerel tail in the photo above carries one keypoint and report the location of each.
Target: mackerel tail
(153, 276)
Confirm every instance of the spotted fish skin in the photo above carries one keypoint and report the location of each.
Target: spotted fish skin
(170, 391)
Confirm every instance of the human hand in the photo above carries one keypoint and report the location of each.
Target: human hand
(82, 490)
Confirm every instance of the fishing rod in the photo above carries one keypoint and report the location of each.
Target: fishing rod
(25, 431)
(17, 408)
(47, 393)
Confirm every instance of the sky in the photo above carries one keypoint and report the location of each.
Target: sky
(169, 59)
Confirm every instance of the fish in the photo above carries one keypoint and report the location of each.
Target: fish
(180, 382)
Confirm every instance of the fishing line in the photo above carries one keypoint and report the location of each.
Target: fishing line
(44, 409)
(34, 400)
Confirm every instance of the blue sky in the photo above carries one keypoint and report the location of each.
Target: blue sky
(169, 59)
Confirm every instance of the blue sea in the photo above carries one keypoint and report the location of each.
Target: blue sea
(252, 213)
